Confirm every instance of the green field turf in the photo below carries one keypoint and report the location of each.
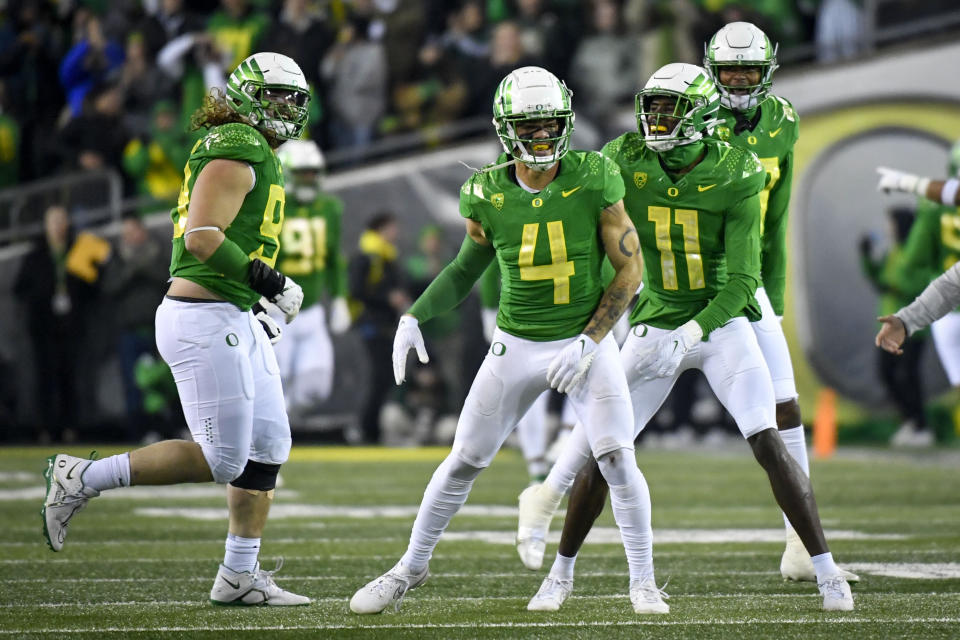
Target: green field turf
(139, 563)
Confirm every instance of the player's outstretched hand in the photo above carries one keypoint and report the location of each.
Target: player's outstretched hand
(408, 337)
(891, 335)
(289, 299)
(663, 360)
(896, 180)
(569, 367)
(273, 330)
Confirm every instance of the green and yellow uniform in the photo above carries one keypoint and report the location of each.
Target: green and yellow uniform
(772, 136)
(256, 228)
(698, 232)
(547, 245)
(310, 248)
(932, 247)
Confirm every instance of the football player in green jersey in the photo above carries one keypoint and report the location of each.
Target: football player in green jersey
(695, 201)
(932, 247)
(225, 229)
(548, 215)
(310, 252)
(741, 60)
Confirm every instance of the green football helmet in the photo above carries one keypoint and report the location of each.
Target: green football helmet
(694, 113)
(741, 44)
(271, 92)
(531, 94)
(303, 167)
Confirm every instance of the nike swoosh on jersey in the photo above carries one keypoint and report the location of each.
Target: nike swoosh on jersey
(774, 134)
(700, 187)
(569, 192)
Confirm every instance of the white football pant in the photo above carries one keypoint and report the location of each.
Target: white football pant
(733, 365)
(228, 381)
(773, 345)
(305, 355)
(946, 338)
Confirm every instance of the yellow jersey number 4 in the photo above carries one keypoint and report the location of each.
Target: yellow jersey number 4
(559, 269)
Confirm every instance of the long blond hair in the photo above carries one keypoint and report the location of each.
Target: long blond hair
(216, 111)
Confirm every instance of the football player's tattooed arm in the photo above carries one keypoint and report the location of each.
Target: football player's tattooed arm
(773, 252)
(455, 281)
(215, 200)
(622, 245)
(742, 248)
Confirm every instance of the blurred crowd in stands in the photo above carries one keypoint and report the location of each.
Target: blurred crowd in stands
(94, 85)
(86, 84)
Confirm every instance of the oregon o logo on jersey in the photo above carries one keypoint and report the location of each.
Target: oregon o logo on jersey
(497, 200)
(232, 339)
(537, 202)
(498, 348)
(640, 179)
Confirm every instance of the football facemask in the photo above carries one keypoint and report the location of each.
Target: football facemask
(677, 106)
(741, 44)
(533, 118)
(271, 92)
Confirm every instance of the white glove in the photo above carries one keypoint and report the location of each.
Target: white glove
(273, 330)
(569, 367)
(339, 316)
(289, 299)
(894, 180)
(489, 319)
(408, 337)
(662, 360)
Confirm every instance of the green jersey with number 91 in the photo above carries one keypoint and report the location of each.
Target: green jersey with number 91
(776, 128)
(696, 230)
(257, 226)
(310, 247)
(548, 247)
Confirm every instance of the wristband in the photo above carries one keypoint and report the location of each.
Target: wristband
(230, 260)
(948, 195)
(265, 280)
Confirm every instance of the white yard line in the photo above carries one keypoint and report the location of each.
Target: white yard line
(653, 622)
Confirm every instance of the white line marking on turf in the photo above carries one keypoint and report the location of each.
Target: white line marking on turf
(917, 570)
(144, 493)
(658, 622)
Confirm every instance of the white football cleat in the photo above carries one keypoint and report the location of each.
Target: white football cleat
(647, 597)
(553, 592)
(538, 503)
(66, 495)
(797, 565)
(836, 594)
(252, 588)
(391, 587)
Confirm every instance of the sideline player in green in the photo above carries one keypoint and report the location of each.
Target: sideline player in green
(741, 60)
(225, 229)
(696, 205)
(932, 247)
(310, 252)
(548, 215)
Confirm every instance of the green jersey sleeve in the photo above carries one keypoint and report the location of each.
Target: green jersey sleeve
(490, 286)
(613, 187)
(918, 265)
(742, 247)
